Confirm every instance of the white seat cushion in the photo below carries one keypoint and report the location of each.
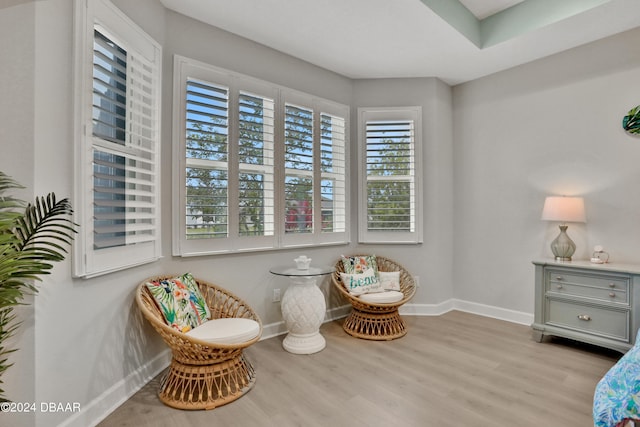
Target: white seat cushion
(226, 331)
(381, 297)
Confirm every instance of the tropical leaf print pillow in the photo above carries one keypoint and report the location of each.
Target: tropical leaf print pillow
(180, 301)
(196, 297)
(359, 264)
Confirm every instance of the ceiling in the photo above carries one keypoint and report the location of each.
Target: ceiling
(453, 40)
(484, 8)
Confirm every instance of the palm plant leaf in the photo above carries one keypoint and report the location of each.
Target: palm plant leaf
(6, 182)
(30, 242)
(7, 328)
(631, 122)
(42, 234)
(9, 207)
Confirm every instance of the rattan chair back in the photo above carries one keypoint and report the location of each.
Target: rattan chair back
(202, 375)
(376, 321)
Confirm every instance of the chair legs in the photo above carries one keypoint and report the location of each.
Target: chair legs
(375, 326)
(206, 386)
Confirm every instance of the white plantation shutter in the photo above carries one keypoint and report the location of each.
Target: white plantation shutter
(124, 175)
(390, 176)
(315, 175)
(207, 160)
(118, 193)
(256, 191)
(333, 173)
(109, 89)
(298, 158)
(265, 166)
(123, 197)
(390, 143)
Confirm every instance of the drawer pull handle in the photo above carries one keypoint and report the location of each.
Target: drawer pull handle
(559, 278)
(612, 285)
(584, 317)
(559, 286)
(612, 294)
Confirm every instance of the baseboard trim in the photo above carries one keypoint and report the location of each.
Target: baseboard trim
(500, 313)
(513, 316)
(427, 309)
(468, 307)
(99, 408)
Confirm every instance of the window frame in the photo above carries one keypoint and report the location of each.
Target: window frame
(369, 114)
(187, 68)
(103, 16)
(319, 107)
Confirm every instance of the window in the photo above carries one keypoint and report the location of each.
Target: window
(255, 165)
(258, 166)
(333, 173)
(207, 157)
(117, 133)
(390, 199)
(298, 157)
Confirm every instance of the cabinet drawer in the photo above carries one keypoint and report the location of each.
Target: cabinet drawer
(605, 288)
(595, 320)
(616, 296)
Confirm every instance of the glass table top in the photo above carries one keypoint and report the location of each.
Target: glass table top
(293, 271)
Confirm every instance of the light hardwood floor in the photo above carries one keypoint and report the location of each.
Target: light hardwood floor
(457, 369)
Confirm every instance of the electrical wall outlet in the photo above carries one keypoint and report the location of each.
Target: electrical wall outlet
(417, 280)
(276, 295)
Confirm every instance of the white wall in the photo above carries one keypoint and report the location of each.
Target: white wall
(246, 274)
(89, 344)
(431, 261)
(17, 56)
(551, 127)
(517, 136)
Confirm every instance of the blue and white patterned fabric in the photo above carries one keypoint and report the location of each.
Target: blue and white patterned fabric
(617, 395)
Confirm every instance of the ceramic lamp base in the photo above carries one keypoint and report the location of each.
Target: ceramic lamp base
(562, 246)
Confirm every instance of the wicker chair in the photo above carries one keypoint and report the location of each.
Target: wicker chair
(376, 321)
(202, 375)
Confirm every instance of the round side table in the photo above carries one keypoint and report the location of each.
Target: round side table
(303, 309)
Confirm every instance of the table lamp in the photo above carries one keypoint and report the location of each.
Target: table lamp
(563, 209)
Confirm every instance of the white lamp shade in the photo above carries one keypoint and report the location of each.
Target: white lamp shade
(564, 209)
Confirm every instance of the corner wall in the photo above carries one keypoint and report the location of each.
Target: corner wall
(17, 56)
(431, 261)
(551, 127)
(84, 341)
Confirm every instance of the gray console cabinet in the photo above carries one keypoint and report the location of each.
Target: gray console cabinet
(592, 303)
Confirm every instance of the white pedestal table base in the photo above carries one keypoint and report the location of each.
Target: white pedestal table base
(303, 310)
